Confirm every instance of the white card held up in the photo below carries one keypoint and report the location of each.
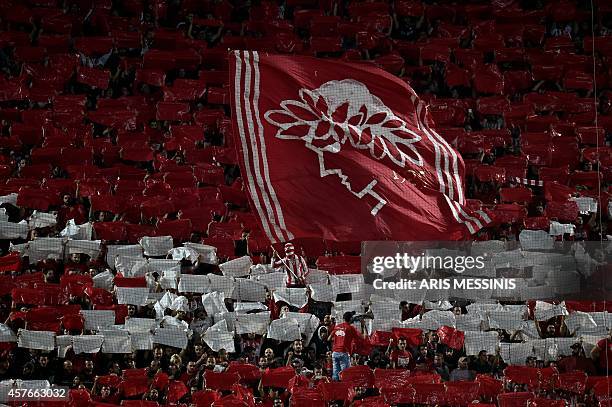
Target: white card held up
(252, 323)
(207, 254)
(87, 343)
(239, 267)
(98, 319)
(516, 353)
(217, 337)
(132, 295)
(536, 240)
(141, 340)
(156, 246)
(477, 341)
(116, 341)
(214, 303)
(297, 297)
(272, 280)
(40, 340)
(545, 311)
(221, 284)
(171, 336)
(130, 250)
(7, 334)
(91, 248)
(104, 280)
(140, 324)
(80, 232)
(190, 283)
(10, 230)
(248, 290)
(322, 292)
(45, 248)
(284, 330)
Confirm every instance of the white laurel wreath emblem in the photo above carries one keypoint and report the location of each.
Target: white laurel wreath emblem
(339, 111)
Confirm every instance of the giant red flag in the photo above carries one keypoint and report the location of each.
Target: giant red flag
(343, 152)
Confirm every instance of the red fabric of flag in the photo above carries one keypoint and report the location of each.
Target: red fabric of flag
(310, 129)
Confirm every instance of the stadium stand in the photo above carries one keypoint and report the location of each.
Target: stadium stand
(134, 273)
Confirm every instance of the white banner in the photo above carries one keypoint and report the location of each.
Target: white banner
(42, 220)
(516, 353)
(477, 341)
(41, 340)
(45, 248)
(139, 324)
(536, 240)
(236, 268)
(184, 253)
(130, 266)
(104, 280)
(307, 323)
(7, 334)
(217, 337)
(284, 330)
(132, 295)
(141, 340)
(578, 321)
(87, 343)
(207, 254)
(156, 246)
(116, 341)
(248, 290)
(79, 232)
(190, 283)
(469, 322)
(214, 303)
(545, 311)
(510, 321)
(170, 336)
(91, 248)
(130, 250)
(298, 297)
(272, 280)
(222, 284)
(559, 229)
(322, 292)
(97, 319)
(434, 319)
(252, 323)
(585, 204)
(244, 307)
(10, 230)
(163, 265)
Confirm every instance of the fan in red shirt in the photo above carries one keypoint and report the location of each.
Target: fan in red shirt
(401, 358)
(602, 353)
(342, 336)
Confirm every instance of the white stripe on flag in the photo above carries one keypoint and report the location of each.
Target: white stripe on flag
(419, 108)
(246, 146)
(252, 141)
(456, 215)
(459, 185)
(484, 216)
(466, 216)
(279, 210)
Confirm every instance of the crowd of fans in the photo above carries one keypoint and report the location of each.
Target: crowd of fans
(115, 113)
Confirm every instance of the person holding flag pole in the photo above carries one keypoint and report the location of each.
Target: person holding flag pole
(294, 266)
